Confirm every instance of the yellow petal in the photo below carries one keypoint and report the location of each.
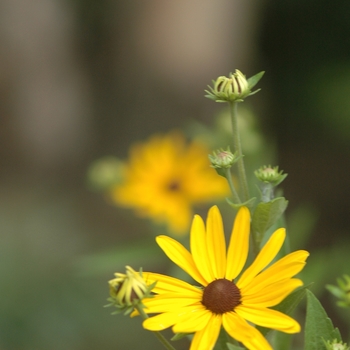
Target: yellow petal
(271, 295)
(268, 318)
(159, 322)
(196, 321)
(206, 338)
(240, 330)
(170, 303)
(177, 253)
(286, 267)
(166, 284)
(199, 249)
(266, 255)
(239, 244)
(187, 319)
(216, 243)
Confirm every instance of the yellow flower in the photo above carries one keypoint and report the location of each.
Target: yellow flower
(223, 301)
(165, 177)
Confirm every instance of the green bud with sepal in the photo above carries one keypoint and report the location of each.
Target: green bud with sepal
(127, 290)
(342, 291)
(269, 178)
(336, 345)
(234, 88)
(269, 174)
(223, 159)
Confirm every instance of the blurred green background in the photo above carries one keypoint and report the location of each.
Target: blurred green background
(83, 79)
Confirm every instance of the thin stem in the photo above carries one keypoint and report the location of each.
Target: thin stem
(228, 175)
(238, 148)
(160, 336)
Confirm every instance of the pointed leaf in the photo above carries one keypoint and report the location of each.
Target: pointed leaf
(267, 213)
(222, 340)
(234, 347)
(252, 81)
(282, 341)
(318, 326)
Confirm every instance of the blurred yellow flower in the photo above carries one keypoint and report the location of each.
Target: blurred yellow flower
(165, 177)
(222, 301)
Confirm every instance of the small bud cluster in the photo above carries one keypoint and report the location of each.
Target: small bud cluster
(127, 290)
(342, 291)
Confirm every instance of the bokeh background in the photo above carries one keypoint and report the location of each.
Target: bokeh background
(83, 79)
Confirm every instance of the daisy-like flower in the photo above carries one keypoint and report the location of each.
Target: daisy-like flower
(165, 177)
(223, 301)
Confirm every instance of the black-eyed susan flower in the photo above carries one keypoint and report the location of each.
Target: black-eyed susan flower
(223, 301)
(165, 177)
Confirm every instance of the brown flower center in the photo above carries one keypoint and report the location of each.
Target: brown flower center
(173, 186)
(221, 296)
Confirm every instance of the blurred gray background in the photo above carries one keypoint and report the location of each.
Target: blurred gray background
(83, 79)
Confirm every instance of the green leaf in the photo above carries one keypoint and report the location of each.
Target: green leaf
(252, 81)
(249, 203)
(318, 326)
(233, 347)
(222, 340)
(267, 213)
(281, 341)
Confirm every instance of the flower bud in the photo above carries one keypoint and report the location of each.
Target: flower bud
(233, 88)
(222, 159)
(342, 291)
(127, 290)
(336, 345)
(270, 175)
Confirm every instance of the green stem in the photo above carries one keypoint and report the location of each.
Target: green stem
(228, 176)
(160, 336)
(238, 148)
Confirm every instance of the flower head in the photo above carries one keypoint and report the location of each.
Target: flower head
(165, 177)
(222, 300)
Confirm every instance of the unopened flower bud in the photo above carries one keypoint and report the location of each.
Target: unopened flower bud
(127, 290)
(336, 345)
(270, 175)
(222, 159)
(235, 87)
(342, 291)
